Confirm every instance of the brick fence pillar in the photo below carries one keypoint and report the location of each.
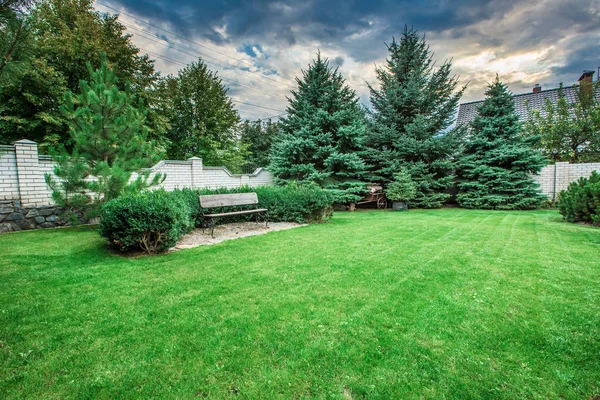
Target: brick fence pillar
(32, 185)
(196, 172)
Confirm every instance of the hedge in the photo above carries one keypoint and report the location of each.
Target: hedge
(301, 203)
(154, 221)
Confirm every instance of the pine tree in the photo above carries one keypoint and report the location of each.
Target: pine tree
(412, 109)
(109, 139)
(495, 171)
(320, 136)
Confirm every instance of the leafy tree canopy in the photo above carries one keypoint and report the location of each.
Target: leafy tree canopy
(258, 137)
(569, 132)
(65, 35)
(202, 118)
(15, 49)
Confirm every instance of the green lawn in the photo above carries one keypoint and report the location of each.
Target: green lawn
(426, 304)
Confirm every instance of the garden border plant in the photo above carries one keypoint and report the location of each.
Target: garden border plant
(581, 201)
(154, 221)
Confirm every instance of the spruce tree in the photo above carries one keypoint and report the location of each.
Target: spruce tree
(320, 137)
(412, 110)
(109, 143)
(495, 171)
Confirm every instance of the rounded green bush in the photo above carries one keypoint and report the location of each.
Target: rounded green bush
(151, 221)
(581, 201)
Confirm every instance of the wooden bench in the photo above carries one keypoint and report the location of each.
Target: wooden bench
(230, 200)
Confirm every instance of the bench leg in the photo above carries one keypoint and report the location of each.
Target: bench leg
(212, 227)
(266, 218)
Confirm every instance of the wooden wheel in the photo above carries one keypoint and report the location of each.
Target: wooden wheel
(381, 203)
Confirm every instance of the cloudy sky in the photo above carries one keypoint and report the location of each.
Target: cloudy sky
(258, 47)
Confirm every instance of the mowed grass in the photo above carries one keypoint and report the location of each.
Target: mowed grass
(423, 304)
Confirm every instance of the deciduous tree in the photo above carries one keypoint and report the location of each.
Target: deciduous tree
(569, 132)
(65, 35)
(259, 137)
(202, 117)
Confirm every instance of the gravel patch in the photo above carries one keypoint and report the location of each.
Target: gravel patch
(229, 232)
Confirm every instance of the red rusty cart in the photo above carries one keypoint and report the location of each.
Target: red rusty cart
(375, 195)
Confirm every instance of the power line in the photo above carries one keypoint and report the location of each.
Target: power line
(176, 46)
(197, 44)
(233, 100)
(275, 116)
(256, 105)
(220, 65)
(220, 77)
(179, 47)
(255, 113)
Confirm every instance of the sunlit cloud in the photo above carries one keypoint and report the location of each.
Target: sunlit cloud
(259, 47)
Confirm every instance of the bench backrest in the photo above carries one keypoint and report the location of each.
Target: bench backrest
(226, 200)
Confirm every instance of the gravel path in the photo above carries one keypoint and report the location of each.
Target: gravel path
(229, 232)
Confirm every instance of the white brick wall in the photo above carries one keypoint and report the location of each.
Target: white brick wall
(33, 190)
(9, 182)
(22, 173)
(556, 177)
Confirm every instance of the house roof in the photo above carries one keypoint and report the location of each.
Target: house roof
(468, 111)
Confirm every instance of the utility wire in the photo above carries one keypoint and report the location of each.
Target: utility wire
(176, 46)
(220, 65)
(249, 111)
(256, 105)
(220, 77)
(197, 44)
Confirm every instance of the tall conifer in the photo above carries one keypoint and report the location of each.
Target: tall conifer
(412, 109)
(110, 143)
(495, 171)
(321, 135)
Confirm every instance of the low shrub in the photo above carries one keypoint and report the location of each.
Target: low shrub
(189, 197)
(152, 221)
(581, 201)
(402, 188)
(301, 203)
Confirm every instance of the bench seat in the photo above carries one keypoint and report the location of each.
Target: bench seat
(254, 210)
(230, 200)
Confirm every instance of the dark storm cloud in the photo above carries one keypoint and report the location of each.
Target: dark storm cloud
(524, 41)
(338, 61)
(324, 21)
(584, 54)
